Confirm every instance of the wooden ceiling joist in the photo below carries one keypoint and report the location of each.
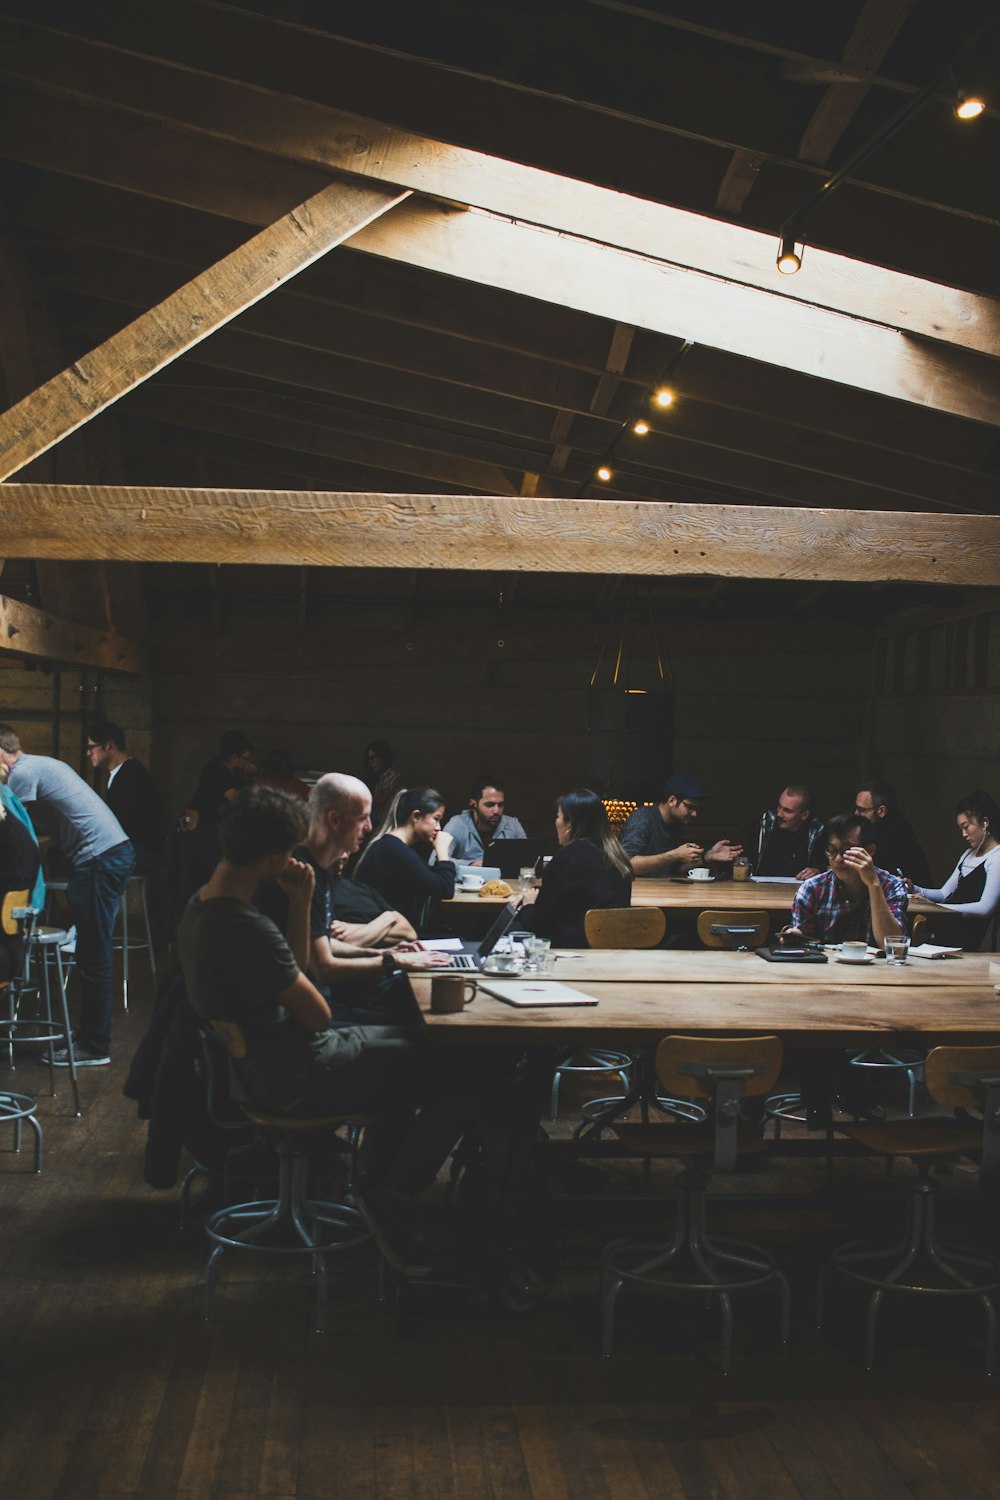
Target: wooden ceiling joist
(189, 315)
(300, 130)
(307, 528)
(26, 631)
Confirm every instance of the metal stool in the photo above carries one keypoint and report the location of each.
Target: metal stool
(39, 942)
(123, 944)
(720, 1071)
(18, 1107)
(918, 1264)
(908, 1061)
(315, 1228)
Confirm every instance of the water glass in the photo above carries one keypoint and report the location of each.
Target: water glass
(526, 878)
(541, 955)
(896, 949)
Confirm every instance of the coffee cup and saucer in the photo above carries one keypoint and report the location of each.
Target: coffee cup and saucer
(854, 953)
(700, 872)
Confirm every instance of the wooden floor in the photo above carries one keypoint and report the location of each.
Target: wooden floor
(113, 1385)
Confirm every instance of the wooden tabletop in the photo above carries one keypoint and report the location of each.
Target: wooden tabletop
(697, 895)
(828, 1005)
(683, 966)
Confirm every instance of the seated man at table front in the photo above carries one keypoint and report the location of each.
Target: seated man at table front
(853, 900)
(790, 837)
(483, 821)
(657, 839)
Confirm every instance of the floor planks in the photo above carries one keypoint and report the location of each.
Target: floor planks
(113, 1386)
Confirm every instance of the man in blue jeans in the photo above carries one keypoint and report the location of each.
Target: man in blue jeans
(102, 860)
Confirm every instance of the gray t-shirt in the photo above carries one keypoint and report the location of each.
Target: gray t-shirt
(82, 825)
(646, 833)
(469, 842)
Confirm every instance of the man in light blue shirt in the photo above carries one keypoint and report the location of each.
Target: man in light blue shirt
(482, 822)
(102, 858)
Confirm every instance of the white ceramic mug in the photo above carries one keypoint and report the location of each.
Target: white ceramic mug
(854, 951)
(700, 872)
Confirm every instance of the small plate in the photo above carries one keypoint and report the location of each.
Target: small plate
(701, 879)
(868, 959)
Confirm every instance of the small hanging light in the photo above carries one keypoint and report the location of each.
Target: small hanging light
(604, 473)
(968, 106)
(789, 259)
(664, 397)
(640, 428)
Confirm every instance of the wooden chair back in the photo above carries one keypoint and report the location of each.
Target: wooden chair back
(755, 926)
(230, 1035)
(624, 927)
(918, 929)
(690, 1066)
(960, 1077)
(12, 902)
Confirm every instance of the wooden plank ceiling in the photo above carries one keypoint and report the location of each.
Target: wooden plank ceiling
(597, 189)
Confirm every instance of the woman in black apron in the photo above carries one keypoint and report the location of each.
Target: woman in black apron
(972, 890)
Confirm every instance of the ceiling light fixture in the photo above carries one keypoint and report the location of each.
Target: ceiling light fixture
(604, 473)
(789, 259)
(969, 106)
(664, 397)
(640, 428)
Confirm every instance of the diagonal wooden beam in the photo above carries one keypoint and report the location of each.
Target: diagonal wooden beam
(212, 299)
(874, 32)
(743, 320)
(26, 631)
(52, 75)
(324, 529)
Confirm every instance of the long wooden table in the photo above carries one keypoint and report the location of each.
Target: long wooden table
(644, 995)
(697, 895)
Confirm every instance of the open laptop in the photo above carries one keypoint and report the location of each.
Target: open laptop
(475, 954)
(513, 854)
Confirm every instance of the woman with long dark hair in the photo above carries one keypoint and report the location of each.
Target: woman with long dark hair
(972, 891)
(591, 869)
(398, 864)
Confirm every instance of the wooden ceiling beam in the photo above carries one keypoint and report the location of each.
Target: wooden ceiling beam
(89, 385)
(660, 461)
(305, 528)
(277, 430)
(301, 131)
(26, 631)
(874, 32)
(741, 320)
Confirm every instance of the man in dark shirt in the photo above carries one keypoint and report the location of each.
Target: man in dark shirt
(222, 778)
(131, 794)
(790, 839)
(656, 839)
(897, 848)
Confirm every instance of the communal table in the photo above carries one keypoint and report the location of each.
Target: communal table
(696, 895)
(643, 995)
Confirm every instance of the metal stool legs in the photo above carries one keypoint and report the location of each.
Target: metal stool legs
(18, 1107)
(124, 943)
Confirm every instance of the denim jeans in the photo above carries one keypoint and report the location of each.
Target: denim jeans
(93, 892)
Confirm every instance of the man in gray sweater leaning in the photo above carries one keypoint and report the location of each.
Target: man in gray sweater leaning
(91, 837)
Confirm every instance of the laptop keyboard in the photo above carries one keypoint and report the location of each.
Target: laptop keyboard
(461, 961)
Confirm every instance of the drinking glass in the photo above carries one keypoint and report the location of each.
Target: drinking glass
(526, 878)
(541, 955)
(896, 949)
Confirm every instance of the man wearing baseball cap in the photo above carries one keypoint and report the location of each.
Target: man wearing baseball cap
(656, 839)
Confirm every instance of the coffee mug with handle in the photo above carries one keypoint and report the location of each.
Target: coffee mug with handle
(448, 993)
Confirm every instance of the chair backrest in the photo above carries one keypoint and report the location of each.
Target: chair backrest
(733, 929)
(231, 1036)
(723, 1070)
(12, 902)
(969, 1078)
(218, 1038)
(918, 928)
(624, 927)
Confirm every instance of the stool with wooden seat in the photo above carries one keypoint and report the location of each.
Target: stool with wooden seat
(723, 1072)
(612, 927)
(961, 1078)
(308, 1226)
(39, 943)
(16, 1108)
